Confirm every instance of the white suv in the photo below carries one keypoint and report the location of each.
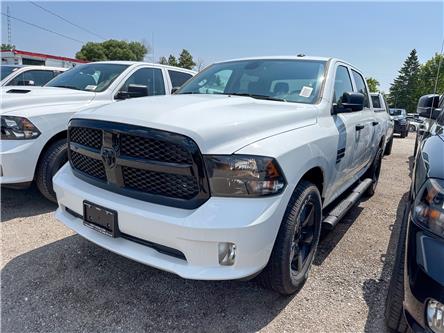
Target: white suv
(34, 119)
(230, 177)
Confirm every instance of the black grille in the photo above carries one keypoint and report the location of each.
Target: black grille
(86, 136)
(88, 165)
(144, 163)
(175, 186)
(152, 149)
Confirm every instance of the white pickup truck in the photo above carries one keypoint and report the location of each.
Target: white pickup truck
(34, 119)
(230, 177)
(17, 75)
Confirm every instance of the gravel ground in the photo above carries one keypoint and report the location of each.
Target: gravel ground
(55, 281)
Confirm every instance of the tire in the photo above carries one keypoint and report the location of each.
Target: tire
(394, 313)
(404, 134)
(373, 172)
(294, 249)
(412, 128)
(388, 147)
(51, 161)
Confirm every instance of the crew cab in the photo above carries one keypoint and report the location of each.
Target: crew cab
(34, 119)
(381, 108)
(17, 75)
(230, 177)
(415, 300)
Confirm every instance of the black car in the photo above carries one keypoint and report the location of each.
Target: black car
(401, 125)
(415, 299)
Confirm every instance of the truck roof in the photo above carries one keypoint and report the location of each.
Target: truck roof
(130, 63)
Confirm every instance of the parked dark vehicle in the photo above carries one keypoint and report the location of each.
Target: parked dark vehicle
(415, 298)
(399, 116)
(429, 107)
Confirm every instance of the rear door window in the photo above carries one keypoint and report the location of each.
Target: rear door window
(178, 78)
(360, 87)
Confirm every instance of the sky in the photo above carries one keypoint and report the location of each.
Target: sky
(374, 36)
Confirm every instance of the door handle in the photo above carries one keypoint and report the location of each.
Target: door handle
(359, 127)
(374, 123)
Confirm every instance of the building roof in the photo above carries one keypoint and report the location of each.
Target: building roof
(45, 56)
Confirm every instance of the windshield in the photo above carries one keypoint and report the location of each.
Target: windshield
(6, 70)
(296, 81)
(89, 77)
(397, 112)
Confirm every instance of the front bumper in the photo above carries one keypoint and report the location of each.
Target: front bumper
(18, 159)
(250, 223)
(424, 275)
(400, 128)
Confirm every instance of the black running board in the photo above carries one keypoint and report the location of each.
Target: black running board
(338, 212)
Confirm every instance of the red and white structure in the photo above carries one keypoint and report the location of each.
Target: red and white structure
(18, 57)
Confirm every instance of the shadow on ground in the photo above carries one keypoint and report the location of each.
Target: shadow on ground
(378, 288)
(78, 286)
(23, 203)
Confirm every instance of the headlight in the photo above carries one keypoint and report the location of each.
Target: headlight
(17, 128)
(429, 206)
(243, 175)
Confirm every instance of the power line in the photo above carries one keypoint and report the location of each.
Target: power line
(43, 28)
(67, 21)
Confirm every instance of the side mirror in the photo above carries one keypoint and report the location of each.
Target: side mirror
(173, 91)
(26, 83)
(134, 91)
(351, 101)
(428, 106)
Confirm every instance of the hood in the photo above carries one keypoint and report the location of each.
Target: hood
(219, 124)
(19, 97)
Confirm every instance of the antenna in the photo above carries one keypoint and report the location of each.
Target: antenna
(8, 13)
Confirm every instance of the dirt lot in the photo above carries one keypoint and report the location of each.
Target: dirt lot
(55, 281)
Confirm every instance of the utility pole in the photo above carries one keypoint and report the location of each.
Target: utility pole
(8, 13)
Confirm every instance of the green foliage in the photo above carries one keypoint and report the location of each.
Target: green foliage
(373, 84)
(404, 90)
(185, 60)
(112, 50)
(8, 47)
(172, 61)
(427, 76)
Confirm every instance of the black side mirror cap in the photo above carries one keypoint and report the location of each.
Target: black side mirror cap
(351, 101)
(428, 106)
(134, 91)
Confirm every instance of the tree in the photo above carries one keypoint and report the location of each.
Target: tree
(112, 50)
(163, 61)
(172, 61)
(404, 90)
(200, 64)
(373, 84)
(427, 76)
(8, 47)
(186, 60)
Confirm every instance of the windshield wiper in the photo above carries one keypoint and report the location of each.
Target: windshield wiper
(189, 93)
(257, 96)
(68, 87)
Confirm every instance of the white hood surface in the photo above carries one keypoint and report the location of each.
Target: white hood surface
(15, 98)
(219, 124)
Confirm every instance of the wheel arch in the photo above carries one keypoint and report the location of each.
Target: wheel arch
(316, 176)
(59, 136)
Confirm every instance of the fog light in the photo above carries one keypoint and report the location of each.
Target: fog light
(435, 316)
(227, 254)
